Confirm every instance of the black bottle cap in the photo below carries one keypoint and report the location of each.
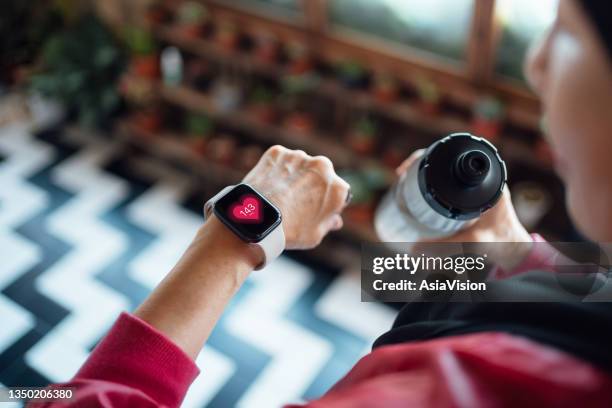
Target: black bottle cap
(461, 176)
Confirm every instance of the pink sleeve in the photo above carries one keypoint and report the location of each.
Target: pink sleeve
(542, 257)
(133, 366)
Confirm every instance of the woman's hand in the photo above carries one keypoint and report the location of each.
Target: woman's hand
(499, 224)
(306, 189)
(188, 302)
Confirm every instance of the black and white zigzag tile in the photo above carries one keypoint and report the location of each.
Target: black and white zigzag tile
(87, 230)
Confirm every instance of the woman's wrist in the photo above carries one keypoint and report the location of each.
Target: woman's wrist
(188, 302)
(216, 239)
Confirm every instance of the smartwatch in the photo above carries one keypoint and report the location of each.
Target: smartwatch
(250, 216)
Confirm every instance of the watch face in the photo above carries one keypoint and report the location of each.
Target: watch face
(247, 213)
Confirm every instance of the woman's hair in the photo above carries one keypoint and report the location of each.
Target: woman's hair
(600, 13)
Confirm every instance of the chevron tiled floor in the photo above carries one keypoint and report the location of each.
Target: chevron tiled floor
(86, 231)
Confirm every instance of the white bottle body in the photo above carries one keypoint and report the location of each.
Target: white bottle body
(404, 215)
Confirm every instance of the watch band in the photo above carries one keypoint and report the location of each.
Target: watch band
(271, 246)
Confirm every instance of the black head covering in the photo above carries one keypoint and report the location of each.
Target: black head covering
(600, 13)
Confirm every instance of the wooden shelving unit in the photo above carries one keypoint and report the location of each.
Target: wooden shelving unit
(270, 134)
(401, 111)
(521, 110)
(172, 148)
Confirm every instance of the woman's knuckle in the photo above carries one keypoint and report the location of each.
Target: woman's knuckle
(322, 163)
(275, 150)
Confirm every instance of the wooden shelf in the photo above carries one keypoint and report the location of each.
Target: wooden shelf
(270, 134)
(402, 112)
(170, 147)
(314, 143)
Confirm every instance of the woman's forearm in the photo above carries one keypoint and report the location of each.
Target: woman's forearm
(186, 305)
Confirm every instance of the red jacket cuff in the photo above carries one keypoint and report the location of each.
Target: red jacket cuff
(137, 355)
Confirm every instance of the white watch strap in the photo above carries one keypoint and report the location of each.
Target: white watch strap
(271, 246)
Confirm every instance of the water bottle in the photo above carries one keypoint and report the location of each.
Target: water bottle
(456, 180)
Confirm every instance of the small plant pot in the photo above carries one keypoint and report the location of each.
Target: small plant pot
(385, 88)
(192, 31)
(267, 53)
(227, 37)
(156, 15)
(362, 143)
(198, 144)
(149, 121)
(361, 213)
(489, 129)
(429, 108)
(300, 122)
(146, 66)
(386, 94)
(362, 138)
(393, 157)
(263, 113)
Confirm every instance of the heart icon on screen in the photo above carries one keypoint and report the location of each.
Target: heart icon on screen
(248, 210)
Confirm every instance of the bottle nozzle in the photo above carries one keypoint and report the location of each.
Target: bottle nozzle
(472, 167)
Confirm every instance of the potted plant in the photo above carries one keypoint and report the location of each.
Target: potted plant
(198, 128)
(428, 95)
(144, 61)
(81, 67)
(352, 74)
(362, 137)
(361, 208)
(192, 18)
(266, 47)
(227, 36)
(148, 119)
(385, 88)
(488, 116)
(300, 61)
(156, 14)
(393, 156)
(262, 105)
(24, 27)
(300, 122)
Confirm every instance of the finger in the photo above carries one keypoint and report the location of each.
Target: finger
(334, 223)
(339, 195)
(323, 166)
(401, 169)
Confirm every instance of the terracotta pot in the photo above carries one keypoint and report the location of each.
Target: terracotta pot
(489, 129)
(386, 94)
(192, 30)
(146, 66)
(428, 107)
(362, 213)
(393, 157)
(198, 144)
(300, 122)
(263, 113)
(148, 121)
(362, 143)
